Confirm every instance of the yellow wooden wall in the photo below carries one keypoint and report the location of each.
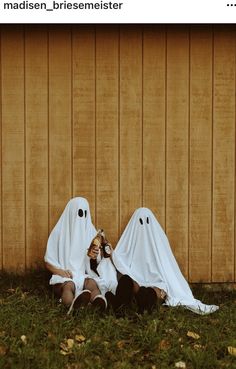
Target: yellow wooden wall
(125, 116)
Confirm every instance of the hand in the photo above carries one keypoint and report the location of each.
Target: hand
(94, 252)
(65, 273)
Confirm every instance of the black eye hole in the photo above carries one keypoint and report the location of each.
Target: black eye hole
(147, 220)
(85, 213)
(141, 221)
(80, 213)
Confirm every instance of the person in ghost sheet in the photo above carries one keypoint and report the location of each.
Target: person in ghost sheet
(66, 258)
(149, 270)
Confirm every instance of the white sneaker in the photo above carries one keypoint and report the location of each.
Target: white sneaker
(82, 299)
(100, 302)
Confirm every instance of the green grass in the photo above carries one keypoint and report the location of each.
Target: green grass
(153, 341)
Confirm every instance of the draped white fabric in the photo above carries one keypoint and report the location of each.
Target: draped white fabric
(68, 244)
(143, 252)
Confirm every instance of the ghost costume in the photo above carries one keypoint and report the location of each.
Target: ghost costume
(143, 252)
(67, 248)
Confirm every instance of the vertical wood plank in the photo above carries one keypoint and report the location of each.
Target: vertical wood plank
(130, 122)
(60, 160)
(1, 246)
(200, 154)
(154, 77)
(177, 143)
(107, 130)
(223, 155)
(13, 190)
(84, 168)
(36, 105)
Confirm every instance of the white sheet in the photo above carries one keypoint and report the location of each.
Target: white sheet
(67, 248)
(143, 252)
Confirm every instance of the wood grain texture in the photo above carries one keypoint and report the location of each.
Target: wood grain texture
(126, 116)
(223, 155)
(60, 160)
(13, 179)
(107, 89)
(200, 180)
(1, 228)
(1, 245)
(36, 111)
(154, 119)
(177, 143)
(130, 122)
(84, 165)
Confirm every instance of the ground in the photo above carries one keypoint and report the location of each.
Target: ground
(36, 333)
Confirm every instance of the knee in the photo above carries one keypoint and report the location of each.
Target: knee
(90, 284)
(135, 287)
(69, 286)
(68, 293)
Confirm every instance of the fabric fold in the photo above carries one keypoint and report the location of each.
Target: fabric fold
(143, 252)
(68, 244)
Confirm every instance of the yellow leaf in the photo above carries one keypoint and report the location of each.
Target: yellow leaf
(70, 343)
(198, 347)
(23, 339)
(62, 352)
(80, 338)
(232, 350)
(23, 295)
(193, 335)
(64, 347)
(180, 364)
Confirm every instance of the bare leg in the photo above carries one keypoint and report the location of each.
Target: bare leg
(161, 294)
(68, 291)
(65, 291)
(91, 285)
(136, 287)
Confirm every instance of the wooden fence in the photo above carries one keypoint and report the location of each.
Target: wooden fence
(125, 116)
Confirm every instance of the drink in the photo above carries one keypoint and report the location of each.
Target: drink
(100, 242)
(105, 246)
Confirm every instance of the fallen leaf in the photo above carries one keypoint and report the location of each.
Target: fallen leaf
(193, 335)
(164, 345)
(197, 347)
(80, 338)
(70, 343)
(120, 344)
(180, 364)
(62, 352)
(66, 346)
(232, 350)
(65, 349)
(23, 295)
(11, 290)
(3, 350)
(23, 339)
